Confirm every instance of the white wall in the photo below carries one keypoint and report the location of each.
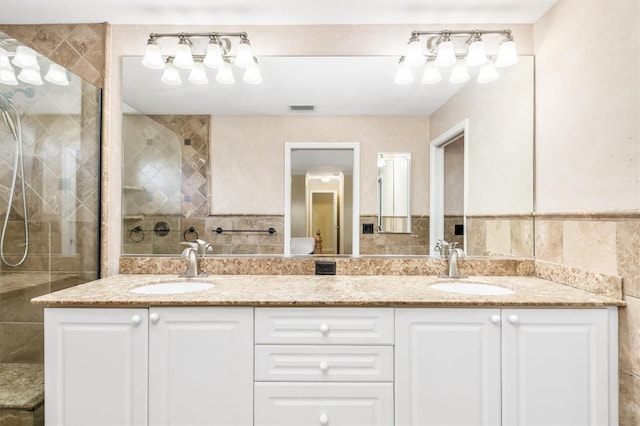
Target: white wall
(500, 139)
(588, 107)
(247, 157)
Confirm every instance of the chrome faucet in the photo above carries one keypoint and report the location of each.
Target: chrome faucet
(191, 253)
(454, 255)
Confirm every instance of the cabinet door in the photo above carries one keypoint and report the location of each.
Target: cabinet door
(447, 367)
(555, 367)
(96, 366)
(201, 366)
(324, 404)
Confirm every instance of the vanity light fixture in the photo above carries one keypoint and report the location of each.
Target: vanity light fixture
(460, 49)
(403, 73)
(26, 59)
(198, 51)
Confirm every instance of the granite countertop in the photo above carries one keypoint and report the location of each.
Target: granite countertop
(313, 290)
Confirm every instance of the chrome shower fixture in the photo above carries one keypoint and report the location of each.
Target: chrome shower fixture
(192, 54)
(460, 50)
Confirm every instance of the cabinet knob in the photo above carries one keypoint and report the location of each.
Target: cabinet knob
(324, 366)
(495, 319)
(513, 319)
(324, 419)
(324, 328)
(136, 319)
(154, 317)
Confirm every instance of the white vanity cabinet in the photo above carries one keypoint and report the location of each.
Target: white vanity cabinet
(324, 366)
(200, 366)
(510, 367)
(158, 366)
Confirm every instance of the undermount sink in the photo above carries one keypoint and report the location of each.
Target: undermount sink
(463, 287)
(177, 287)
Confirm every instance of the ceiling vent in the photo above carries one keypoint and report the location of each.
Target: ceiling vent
(302, 108)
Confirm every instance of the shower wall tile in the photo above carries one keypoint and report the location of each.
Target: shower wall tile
(22, 342)
(79, 47)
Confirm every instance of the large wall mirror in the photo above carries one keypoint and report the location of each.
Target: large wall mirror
(394, 192)
(201, 158)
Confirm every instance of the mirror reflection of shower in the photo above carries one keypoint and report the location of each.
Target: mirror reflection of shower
(11, 118)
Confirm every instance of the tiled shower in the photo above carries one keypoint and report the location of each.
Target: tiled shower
(61, 152)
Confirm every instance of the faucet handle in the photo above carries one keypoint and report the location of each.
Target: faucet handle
(191, 246)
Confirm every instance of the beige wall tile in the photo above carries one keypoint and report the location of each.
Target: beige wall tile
(628, 249)
(590, 245)
(549, 240)
(629, 336)
(499, 237)
(629, 399)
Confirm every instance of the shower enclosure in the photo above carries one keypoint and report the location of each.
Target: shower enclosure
(50, 219)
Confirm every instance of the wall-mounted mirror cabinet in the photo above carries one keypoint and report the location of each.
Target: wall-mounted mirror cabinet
(394, 192)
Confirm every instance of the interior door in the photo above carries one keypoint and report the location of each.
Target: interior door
(324, 216)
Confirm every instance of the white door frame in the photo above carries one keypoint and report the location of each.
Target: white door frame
(436, 182)
(355, 217)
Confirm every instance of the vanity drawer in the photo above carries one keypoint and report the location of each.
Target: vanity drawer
(324, 363)
(323, 404)
(353, 326)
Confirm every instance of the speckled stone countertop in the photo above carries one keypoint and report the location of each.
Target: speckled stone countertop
(312, 290)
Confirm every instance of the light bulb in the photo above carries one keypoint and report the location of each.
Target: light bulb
(459, 74)
(244, 55)
(30, 76)
(171, 75)
(415, 55)
(8, 76)
(252, 74)
(184, 57)
(403, 73)
(488, 73)
(153, 56)
(475, 54)
(213, 58)
(57, 75)
(431, 74)
(4, 59)
(507, 54)
(198, 75)
(26, 58)
(225, 74)
(446, 55)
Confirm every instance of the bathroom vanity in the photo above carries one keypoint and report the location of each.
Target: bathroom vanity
(345, 350)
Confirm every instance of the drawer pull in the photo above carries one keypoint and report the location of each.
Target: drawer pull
(324, 419)
(324, 366)
(324, 329)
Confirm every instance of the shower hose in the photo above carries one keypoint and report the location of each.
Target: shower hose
(6, 106)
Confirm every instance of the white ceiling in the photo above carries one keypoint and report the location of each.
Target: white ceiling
(272, 12)
(334, 85)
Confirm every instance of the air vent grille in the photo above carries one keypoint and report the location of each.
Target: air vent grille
(303, 108)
